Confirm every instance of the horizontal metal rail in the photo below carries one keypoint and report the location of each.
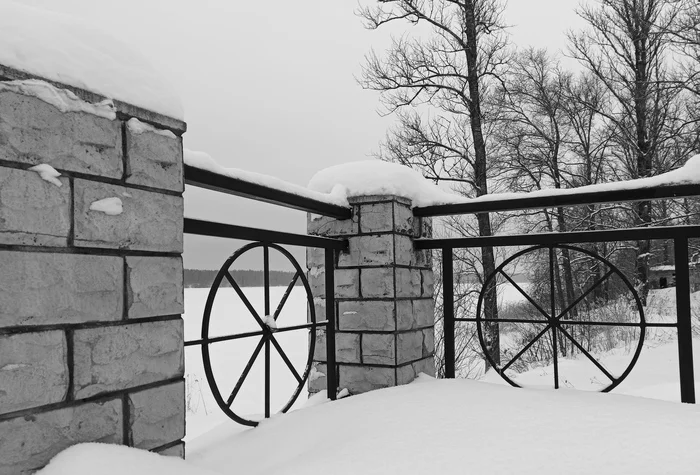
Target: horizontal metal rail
(575, 199)
(235, 186)
(232, 231)
(546, 239)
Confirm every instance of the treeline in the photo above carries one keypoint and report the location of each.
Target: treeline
(198, 278)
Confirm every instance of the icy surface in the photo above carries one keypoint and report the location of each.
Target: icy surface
(111, 206)
(269, 320)
(63, 49)
(204, 161)
(63, 99)
(438, 426)
(47, 173)
(138, 127)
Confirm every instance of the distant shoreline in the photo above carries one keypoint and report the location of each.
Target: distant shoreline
(203, 278)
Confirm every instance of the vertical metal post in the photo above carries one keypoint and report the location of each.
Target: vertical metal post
(448, 322)
(685, 338)
(331, 374)
(266, 283)
(552, 317)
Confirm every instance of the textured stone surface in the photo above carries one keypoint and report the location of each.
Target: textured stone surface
(33, 211)
(407, 373)
(360, 379)
(428, 342)
(347, 347)
(403, 218)
(378, 348)
(368, 251)
(366, 315)
(347, 282)
(154, 286)
(317, 378)
(157, 416)
(28, 443)
(125, 356)
(427, 283)
(409, 346)
(46, 288)
(417, 313)
(376, 217)
(377, 283)
(408, 282)
(174, 451)
(320, 346)
(33, 370)
(319, 309)
(327, 226)
(155, 160)
(405, 254)
(33, 131)
(149, 221)
(315, 257)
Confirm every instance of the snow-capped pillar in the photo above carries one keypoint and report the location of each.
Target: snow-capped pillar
(91, 280)
(384, 295)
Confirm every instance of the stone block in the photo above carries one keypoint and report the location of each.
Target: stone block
(331, 227)
(422, 227)
(347, 347)
(33, 370)
(28, 443)
(368, 251)
(377, 217)
(408, 282)
(419, 313)
(405, 255)
(378, 348)
(403, 218)
(319, 309)
(154, 286)
(405, 315)
(317, 281)
(407, 373)
(317, 378)
(409, 346)
(428, 342)
(427, 282)
(174, 451)
(360, 379)
(426, 365)
(34, 132)
(320, 346)
(148, 221)
(125, 356)
(315, 257)
(347, 282)
(154, 159)
(157, 416)
(377, 283)
(47, 288)
(33, 211)
(366, 315)
(423, 258)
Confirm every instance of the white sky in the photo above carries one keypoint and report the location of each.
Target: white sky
(268, 86)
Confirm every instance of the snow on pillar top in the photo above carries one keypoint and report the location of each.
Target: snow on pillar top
(36, 43)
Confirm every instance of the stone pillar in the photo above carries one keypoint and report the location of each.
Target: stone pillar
(91, 280)
(384, 296)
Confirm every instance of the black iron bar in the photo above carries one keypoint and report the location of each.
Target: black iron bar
(290, 287)
(527, 347)
(222, 338)
(289, 364)
(552, 302)
(685, 335)
(266, 280)
(232, 231)
(585, 294)
(245, 300)
(267, 378)
(235, 186)
(331, 370)
(526, 295)
(448, 304)
(588, 355)
(503, 320)
(577, 199)
(548, 239)
(300, 327)
(571, 322)
(246, 370)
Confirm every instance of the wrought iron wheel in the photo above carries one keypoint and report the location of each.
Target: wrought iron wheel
(553, 325)
(268, 329)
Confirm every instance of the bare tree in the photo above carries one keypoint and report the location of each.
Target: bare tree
(437, 81)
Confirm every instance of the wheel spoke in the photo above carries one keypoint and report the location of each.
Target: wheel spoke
(266, 278)
(267, 378)
(290, 287)
(588, 355)
(556, 358)
(285, 359)
(248, 366)
(526, 295)
(586, 293)
(527, 347)
(245, 300)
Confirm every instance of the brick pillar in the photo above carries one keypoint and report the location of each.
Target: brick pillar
(91, 338)
(384, 296)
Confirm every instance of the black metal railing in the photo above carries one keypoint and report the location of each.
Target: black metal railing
(556, 322)
(267, 240)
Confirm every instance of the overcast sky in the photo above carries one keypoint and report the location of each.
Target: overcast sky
(268, 86)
